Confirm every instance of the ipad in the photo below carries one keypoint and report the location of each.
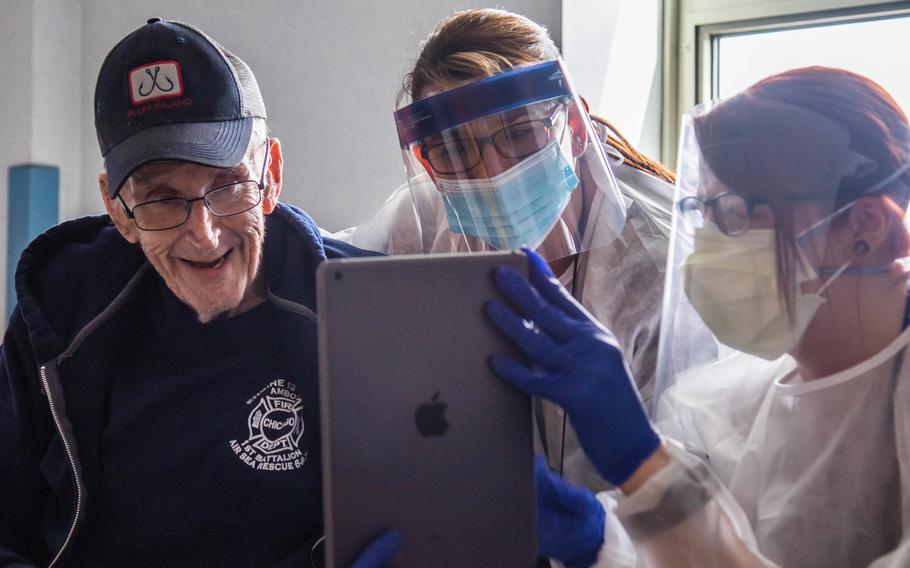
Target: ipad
(418, 433)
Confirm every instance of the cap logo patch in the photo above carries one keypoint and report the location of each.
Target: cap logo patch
(155, 81)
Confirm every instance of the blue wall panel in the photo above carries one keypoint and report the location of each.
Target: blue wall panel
(33, 208)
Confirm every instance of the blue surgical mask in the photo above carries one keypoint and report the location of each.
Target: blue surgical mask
(516, 208)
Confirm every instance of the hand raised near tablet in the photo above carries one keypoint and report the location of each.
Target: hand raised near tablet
(576, 363)
(570, 520)
(378, 553)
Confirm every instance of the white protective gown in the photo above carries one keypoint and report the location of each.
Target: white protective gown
(796, 474)
(620, 284)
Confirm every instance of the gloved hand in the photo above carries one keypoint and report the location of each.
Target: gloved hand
(570, 520)
(577, 364)
(379, 552)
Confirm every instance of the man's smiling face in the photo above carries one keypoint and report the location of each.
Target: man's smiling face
(211, 263)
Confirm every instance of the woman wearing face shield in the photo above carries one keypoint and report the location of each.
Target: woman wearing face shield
(783, 400)
(501, 153)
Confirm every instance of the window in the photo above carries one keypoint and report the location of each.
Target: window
(715, 48)
(874, 48)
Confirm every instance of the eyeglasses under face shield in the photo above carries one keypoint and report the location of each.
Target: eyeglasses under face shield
(514, 162)
(514, 135)
(759, 243)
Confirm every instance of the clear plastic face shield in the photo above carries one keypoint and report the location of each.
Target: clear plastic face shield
(507, 161)
(764, 261)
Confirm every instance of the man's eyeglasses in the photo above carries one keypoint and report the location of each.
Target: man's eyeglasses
(731, 212)
(459, 152)
(224, 201)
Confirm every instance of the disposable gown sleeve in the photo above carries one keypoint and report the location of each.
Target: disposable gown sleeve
(900, 556)
(406, 223)
(685, 517)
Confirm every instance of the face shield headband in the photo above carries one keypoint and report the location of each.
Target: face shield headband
(498, 93)
(509, 160)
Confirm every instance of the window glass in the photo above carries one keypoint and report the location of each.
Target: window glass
(877, 49)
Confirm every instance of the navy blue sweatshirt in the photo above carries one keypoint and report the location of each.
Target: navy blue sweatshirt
(83, 301)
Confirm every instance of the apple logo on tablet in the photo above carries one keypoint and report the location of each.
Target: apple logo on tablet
(431, 418)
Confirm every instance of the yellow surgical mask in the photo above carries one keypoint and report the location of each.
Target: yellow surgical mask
(731, 281)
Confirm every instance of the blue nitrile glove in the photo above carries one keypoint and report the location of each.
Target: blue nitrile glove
(378, 553)
(570, 520)
(577, 364)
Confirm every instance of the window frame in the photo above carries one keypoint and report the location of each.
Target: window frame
(692, 30)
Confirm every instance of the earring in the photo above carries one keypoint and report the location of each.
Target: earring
(860, 248)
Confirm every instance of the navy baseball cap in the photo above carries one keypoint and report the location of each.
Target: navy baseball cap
(167, 91)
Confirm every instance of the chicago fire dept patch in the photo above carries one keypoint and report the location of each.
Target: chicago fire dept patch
(275, 426)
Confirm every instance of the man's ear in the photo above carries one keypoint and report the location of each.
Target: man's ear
(124, 224)
(872, 221)
(273, 177)
(578, 129)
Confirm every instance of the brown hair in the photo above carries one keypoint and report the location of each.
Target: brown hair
(478, 43)
(632, 156)
(763, 142)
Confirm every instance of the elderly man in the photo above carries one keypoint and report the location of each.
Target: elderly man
(158, 397)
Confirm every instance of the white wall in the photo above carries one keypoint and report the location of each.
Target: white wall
(15, 110)
(329, 72)
(612, 49)
(40, 42)
(57, 101)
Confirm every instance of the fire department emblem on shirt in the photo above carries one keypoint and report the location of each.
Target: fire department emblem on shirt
(275, 426)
